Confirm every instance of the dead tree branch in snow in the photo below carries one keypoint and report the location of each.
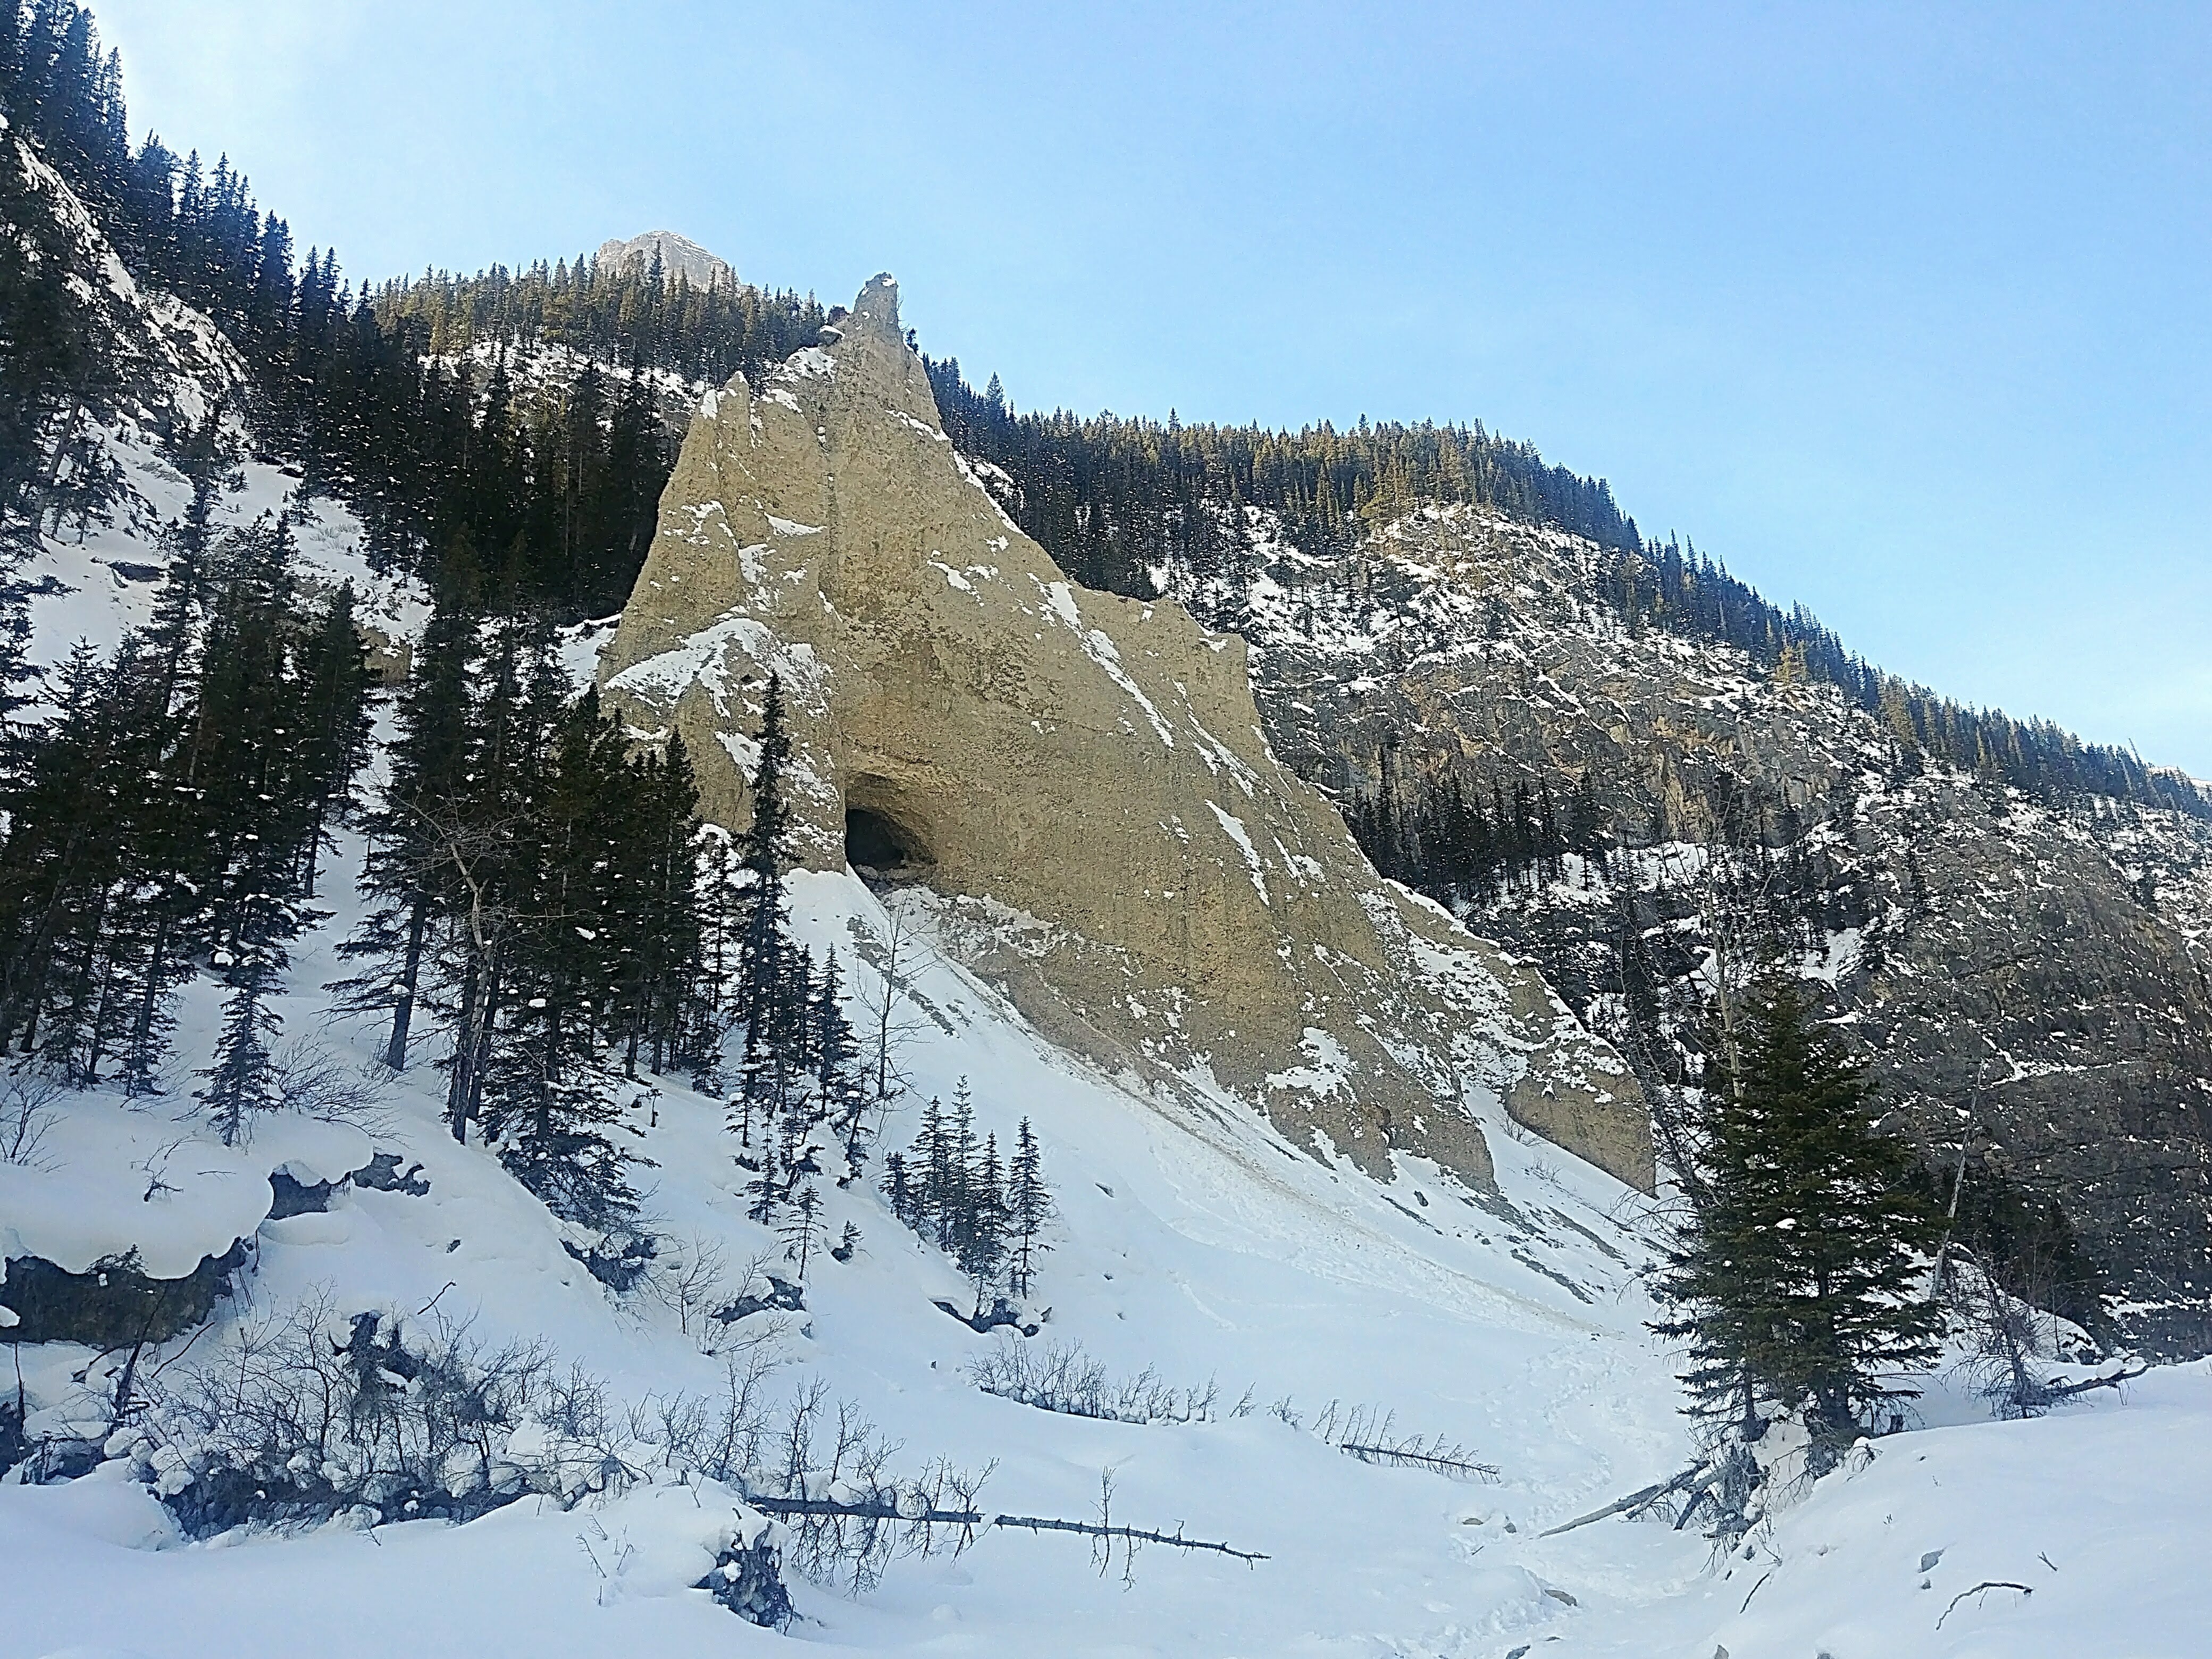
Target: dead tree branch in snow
(971, 1522)
(1372, 1439)
(2068, 1390)
(1635, 1500)
(1413, 1455)
(1986, 1584)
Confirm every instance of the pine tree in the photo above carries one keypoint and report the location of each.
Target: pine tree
(242, 1080)
(840, 1094)
(800, 1233)
(409, 871)
(1793, 1284)
(1029, 1210)
(936, 1176)
(898, 1190)
(766, 954)
(979, 1236)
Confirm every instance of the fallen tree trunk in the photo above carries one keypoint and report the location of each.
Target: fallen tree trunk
(970, 1520)
(2066, 1390)
(1635, 1500)
(1417, 1459)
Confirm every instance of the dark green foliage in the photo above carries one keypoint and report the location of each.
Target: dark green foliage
(1797, 1282)
(800, 1071)
(1111, 497)
(538, 898)
(1029, 1209)
(242, 1080)
(954, 1191)
(168, 814)
(1455, 845)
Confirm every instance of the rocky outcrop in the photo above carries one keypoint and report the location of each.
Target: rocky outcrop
(679, 256)
(1082, 777)
(114, 1304)
(2035, 970)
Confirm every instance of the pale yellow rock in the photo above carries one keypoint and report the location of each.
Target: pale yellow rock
(1081, 777)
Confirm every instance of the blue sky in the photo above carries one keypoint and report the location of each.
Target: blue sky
(1901, 311)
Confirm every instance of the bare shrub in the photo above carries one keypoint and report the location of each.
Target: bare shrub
(1063, 1378)
(2007, 1341)
(27, 1115)
(691, 1278)
(316, 1080)
(312, 1416)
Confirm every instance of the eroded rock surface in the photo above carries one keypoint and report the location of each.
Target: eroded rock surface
(1082, 776)
(2038, 973)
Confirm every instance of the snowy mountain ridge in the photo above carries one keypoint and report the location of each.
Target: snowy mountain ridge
(1456, 650)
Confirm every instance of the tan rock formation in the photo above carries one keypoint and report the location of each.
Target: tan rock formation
(1082, 777)
(679, 256)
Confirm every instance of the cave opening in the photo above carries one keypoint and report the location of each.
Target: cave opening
(878, 846)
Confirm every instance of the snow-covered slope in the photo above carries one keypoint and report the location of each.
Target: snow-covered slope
(1305, 1303)
(1205, 1249)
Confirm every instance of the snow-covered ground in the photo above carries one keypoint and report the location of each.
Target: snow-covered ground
(1198, 1243)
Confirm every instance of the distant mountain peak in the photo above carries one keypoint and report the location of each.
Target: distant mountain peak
(678, 253)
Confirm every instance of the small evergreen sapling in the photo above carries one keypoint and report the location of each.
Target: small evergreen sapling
(802, 1231)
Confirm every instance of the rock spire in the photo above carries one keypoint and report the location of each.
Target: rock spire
(1080, 779)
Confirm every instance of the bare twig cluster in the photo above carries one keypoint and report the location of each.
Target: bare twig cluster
(1062, 1378)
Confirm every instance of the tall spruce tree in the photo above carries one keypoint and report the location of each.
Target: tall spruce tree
(1029, 1211)
(408, 872)
(1794, 1282)
(766, 956)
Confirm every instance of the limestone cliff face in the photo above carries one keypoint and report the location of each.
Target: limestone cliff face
(1082, 777)
(2041, 972)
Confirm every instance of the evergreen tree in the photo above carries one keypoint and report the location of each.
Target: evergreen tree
(766, 956)
(242, 1080)
(802, 1231)
(840, 1093)
(1029, 1210)
(951, 1188)
(898, 1189)
(1794, 1283)
(979, 1236)
(408, 871)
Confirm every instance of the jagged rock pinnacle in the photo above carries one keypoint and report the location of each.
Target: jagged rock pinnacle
(1079, 777)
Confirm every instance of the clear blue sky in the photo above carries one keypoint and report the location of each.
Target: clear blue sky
(1902, 311)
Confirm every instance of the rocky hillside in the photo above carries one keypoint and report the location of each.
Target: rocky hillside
(1634, 809)
(1083, 775)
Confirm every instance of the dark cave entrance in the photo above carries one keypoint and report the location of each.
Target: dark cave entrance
(881, 846)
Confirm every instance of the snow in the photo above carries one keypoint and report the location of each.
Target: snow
(108, 1178)
(1233, 827)
(703, 659)
(1196, 1242)
(1194, 1239)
